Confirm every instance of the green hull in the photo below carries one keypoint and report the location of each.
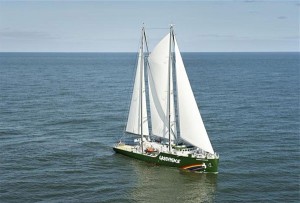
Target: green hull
(205, 165)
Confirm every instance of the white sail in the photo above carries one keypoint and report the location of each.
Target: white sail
(192, 128)
(158, 90)
(134, 117)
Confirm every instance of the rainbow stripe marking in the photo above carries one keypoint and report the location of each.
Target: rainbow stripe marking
(195, 167)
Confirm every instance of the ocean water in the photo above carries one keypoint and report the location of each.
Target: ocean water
(61, 113)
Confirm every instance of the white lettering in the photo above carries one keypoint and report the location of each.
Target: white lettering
(169, 159)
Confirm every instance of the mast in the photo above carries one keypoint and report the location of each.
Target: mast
(141, 87)
(169, 85)
(175, 95)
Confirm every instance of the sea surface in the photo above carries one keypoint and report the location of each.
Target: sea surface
(61, 114)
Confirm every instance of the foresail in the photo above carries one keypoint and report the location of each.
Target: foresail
(134, 117)
(158, 90)
(192, 128)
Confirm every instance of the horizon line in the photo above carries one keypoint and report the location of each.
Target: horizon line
(149, 52)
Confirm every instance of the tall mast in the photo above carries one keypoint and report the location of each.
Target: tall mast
(169, 85)
(141, 86)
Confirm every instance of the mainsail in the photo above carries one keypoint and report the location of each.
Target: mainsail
(159, 91)
(192, 128)
(138, 101)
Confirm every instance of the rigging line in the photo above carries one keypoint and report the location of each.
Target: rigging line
(146, 43)
(134, 69)
(158, 28)
(146, 72)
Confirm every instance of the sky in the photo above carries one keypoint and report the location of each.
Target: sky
(115, 26)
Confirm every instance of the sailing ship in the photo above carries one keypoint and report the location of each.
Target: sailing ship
(178, 137)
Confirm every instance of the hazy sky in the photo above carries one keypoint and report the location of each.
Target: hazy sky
(114, 26)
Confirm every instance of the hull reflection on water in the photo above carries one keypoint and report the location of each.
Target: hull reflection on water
(160, 183)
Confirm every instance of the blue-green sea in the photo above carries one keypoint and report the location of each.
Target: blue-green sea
(61, 113)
